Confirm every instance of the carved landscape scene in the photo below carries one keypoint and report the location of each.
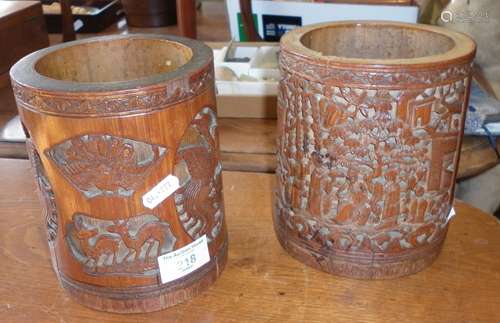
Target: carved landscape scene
(367, 170)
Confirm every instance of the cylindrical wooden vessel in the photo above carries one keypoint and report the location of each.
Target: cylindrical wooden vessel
(150, 13)
(370, 118)
(109, 119)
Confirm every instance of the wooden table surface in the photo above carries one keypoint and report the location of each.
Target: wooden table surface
(261, 282)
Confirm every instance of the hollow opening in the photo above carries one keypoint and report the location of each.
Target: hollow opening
(114, 61)
(376, 42)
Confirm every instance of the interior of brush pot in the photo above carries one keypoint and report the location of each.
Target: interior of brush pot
(376, 42)
(115, 60)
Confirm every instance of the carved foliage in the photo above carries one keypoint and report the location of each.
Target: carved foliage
(45, 192)
(291, 63)
(199, 200)
(105, 105)
(119, 247)
(367, 170)
(105, 165)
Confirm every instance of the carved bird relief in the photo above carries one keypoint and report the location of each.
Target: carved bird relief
(198, 200)
(105, 165)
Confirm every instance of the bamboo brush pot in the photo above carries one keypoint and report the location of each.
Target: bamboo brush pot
(108, 119)
(370, 118)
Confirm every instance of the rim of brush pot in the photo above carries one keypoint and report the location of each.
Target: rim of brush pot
(462, 50)
(25, 73)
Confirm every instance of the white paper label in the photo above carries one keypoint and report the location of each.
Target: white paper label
(160, 192)
(450, 215)
(77, 24)
(179, 263)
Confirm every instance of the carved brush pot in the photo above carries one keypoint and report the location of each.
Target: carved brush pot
(108, 119)
(370, 118)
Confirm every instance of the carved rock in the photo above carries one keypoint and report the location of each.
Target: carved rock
(109, 118)
(370, 119)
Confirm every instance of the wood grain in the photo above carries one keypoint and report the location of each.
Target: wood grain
(22, 30)
(263, 163)
(367, 175)
(261, 282)
(246, 106)
(213, 26)
(68, 28)
(7, 100)
(248, 135)
(106, 128)
(477, 156)
(149, 13)
(186, 18)
(249, 145)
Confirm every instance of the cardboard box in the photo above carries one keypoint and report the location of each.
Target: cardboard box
(261, 106)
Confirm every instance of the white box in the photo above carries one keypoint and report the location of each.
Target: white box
(286, 15)
(258, 76)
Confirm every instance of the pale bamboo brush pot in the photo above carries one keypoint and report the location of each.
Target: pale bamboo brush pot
(370, 118)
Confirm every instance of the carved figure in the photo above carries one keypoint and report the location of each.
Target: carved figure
(367, 155)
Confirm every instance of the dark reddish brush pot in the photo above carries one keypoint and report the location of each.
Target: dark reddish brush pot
(370, 118)
(108, 118)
